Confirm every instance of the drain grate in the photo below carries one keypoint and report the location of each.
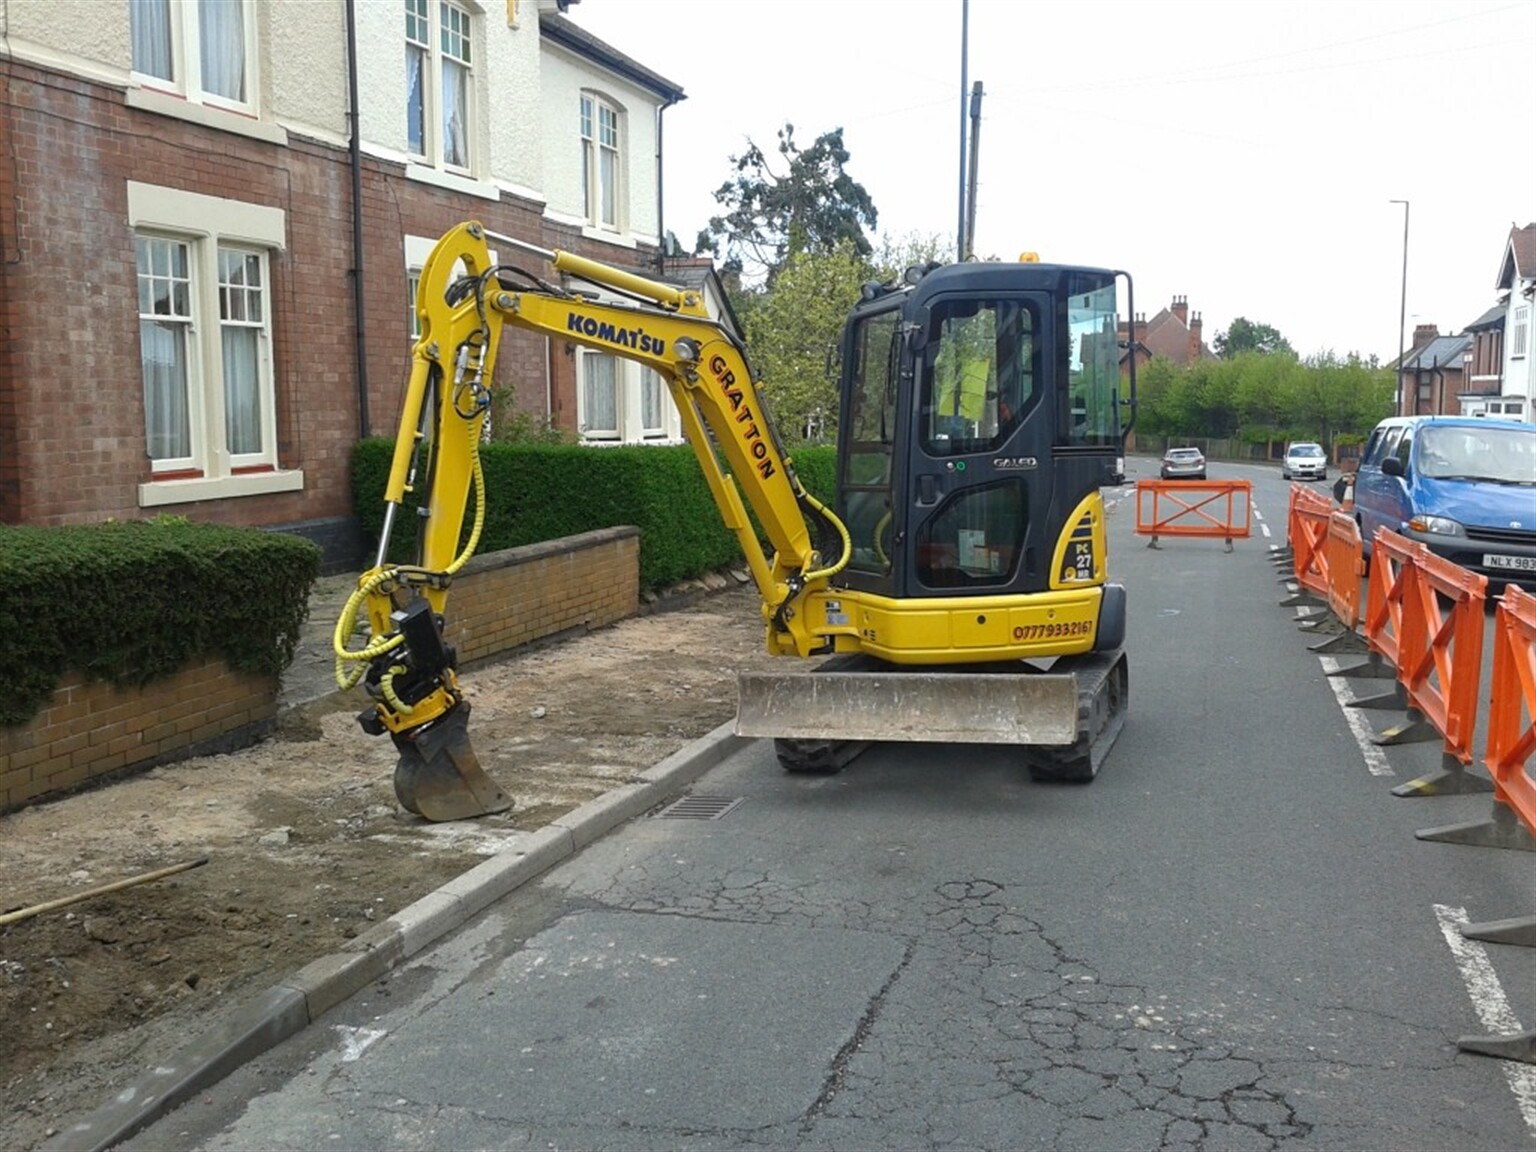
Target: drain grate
(699, 808)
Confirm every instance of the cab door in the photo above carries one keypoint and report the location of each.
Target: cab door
(979, 460)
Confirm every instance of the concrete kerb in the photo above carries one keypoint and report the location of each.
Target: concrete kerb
(306, 995)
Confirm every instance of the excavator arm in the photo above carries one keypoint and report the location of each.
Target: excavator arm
(463, 303)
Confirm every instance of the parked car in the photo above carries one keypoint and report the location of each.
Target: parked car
(1305, 461)
(1183, 464)
(1464, 486)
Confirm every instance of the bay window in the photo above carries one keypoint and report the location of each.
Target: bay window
(204, 273)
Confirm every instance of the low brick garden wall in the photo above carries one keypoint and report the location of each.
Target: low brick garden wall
(93, 730)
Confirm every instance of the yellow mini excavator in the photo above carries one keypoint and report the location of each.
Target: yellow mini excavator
(958, 584)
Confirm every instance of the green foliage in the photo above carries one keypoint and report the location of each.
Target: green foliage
(1261, 397)
(792, 332)
(538, 492)
(811, 205)
(512, 425)
(1249, 336)
(817, 469)
(894, 256)
(134, 602)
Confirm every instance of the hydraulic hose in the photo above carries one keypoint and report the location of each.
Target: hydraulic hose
(346, 624)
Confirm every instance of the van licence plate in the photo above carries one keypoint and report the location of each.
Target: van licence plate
(1518, 563)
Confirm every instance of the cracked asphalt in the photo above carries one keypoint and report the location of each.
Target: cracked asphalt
(1228, 941)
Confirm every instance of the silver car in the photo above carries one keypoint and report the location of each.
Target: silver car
(1183, 464)
(1305, 461)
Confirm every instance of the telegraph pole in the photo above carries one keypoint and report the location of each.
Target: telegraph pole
(969, 248)
(1402, 313)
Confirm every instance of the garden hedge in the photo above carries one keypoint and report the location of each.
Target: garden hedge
(132, 602)
(538, 492)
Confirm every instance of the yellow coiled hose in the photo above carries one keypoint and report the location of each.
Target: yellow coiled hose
(349, 676)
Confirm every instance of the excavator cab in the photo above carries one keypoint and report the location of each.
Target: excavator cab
(982, 408)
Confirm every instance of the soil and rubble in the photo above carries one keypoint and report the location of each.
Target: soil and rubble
(305, 843)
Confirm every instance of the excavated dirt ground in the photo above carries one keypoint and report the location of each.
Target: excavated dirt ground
(305, 843)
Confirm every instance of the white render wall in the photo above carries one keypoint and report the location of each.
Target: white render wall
(563, 78)
(304, 66)
(506, 72)
(51, 31)
(526, 134)
(1520, 372)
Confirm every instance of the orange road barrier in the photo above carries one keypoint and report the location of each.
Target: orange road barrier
(1213, 508)
(1511, 750)
(1308, 532)
(1510, 757)
(1441, 677)
(1345, 562)
(1388, 632)
(1511, 738)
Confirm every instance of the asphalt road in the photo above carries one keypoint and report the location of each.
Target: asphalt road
(1232, 939)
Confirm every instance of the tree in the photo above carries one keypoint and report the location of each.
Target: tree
(813, 205)
(791, 332)
(1249, 336)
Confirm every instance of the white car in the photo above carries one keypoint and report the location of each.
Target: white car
(1305, 461)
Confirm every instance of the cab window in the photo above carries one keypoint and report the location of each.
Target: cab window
(978, 374)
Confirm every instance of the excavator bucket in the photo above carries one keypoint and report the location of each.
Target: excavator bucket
(438, 776)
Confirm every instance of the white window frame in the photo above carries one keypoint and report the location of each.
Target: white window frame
(432, 14)
(588, 361)
(186, 58)
(632, 424)
(595, 114)
(205, 226)
(1519, 331)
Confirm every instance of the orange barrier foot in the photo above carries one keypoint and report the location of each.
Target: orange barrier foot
(1452, 780)
(1520, 931)
(1521, 1046)
(1414, 730)
(1347, 642)
(1503, 830)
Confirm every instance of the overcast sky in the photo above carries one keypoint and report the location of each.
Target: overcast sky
(1243, 155)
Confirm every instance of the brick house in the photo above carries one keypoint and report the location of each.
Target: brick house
(1432, 373)
(1496, 370)
(206, 261)
(1482, 377)
(1173, 333)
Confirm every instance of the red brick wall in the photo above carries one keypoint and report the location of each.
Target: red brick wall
(71, 406)
(500, 601)
(92, 729)
(503, 600)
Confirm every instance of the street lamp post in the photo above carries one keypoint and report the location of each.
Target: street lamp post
(1402, 312)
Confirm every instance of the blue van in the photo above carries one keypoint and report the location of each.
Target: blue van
(1464, 486)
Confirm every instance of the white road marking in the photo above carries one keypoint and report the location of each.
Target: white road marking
(1490, 1003)
(1375, 758)
(355, 1040)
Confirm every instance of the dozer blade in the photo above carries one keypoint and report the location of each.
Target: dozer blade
(983, 706)
(438, 776)
(1065, 720)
